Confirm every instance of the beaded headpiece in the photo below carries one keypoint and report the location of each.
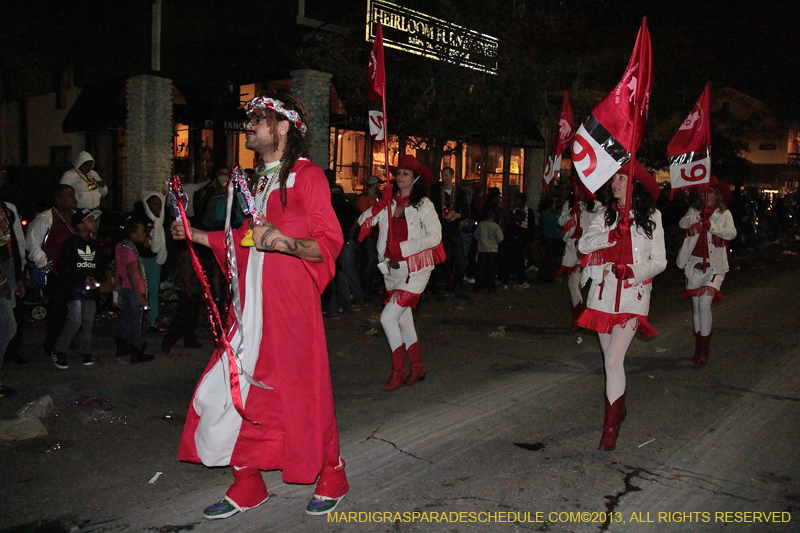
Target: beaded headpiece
(263, 102)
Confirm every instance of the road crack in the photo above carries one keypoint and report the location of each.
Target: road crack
(373, 437)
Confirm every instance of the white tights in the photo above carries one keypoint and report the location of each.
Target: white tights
(615, 346)
(701, 314)
(574, 285)
(398, 324)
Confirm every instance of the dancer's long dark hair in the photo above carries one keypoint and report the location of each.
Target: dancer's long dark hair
(643, 207)
(296, 145)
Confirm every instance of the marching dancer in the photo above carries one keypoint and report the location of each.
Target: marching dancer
(708, 227)
(409, 244)
(624, 249)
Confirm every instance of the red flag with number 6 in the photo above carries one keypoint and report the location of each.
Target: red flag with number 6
(689, 151)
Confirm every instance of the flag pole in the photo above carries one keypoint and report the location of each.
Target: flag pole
(705, 232)
(629, 184)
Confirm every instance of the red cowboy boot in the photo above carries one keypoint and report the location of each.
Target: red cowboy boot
(415, 361)
(398, 370)
(615, 414)
(697, 348)
(702, 358)
(576, 312)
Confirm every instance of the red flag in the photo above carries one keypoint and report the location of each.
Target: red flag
(377, 74)
(376, 87)
(566, 130)
(689, 151)
(613, 132)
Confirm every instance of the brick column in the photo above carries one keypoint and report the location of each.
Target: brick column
(149, 136)
(314, 89)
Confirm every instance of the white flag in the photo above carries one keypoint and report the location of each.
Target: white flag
(592, 162)
(689, 173)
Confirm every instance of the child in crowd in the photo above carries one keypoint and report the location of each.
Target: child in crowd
(132, 288)
(489, 236)
(77, 288)
(184, 324)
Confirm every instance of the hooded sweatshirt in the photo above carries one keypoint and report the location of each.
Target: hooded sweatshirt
(158, 243)
(87, 191)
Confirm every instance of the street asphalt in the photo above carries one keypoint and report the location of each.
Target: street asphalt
(501, 436)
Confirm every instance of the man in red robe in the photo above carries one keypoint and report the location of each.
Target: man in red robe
(288, 425)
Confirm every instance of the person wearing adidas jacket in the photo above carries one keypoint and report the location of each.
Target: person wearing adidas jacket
(77, 287)
(409, 244)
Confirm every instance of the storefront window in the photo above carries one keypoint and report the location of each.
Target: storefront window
(515, 173)
(181, 141)
(472, 162)
(347, 149)
(378, 158)
(494, 167)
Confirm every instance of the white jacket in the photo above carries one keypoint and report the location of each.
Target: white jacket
(722, 226)
(649, 260)
(424, 233)
(37, 235)
(17, 229)
(87, 198)
(571, 255)
(158, 243)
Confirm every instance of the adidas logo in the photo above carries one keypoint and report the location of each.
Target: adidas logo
(87, 254)
(86, 264)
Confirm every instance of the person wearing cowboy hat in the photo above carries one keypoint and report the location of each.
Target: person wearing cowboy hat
(708, 227)
(409, 244)
(624, 249)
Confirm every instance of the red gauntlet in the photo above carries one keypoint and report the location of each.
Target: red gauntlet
(623, 228)
(623, 271)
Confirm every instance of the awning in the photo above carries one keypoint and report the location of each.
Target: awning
(205, 106)
(99, 106)
(103, 105)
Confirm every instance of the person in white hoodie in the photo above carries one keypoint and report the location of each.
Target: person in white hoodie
(89, 187)
(156, 256)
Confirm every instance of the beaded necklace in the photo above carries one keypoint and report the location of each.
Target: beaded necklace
(132, 247)
(64, 220)
(5, 228)
(266, 185)
(91, 183)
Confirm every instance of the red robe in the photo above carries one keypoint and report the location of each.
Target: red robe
(295, 426)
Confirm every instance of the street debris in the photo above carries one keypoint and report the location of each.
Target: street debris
(499, 334)
(580, 340)
(41, 408)
(54, 448)
(154, 478)
(530, 446)
(99, 415)
(661, 350)
(646, 443)
(21, 429)
(86, 401)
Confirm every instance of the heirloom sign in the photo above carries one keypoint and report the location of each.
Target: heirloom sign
(415, 32)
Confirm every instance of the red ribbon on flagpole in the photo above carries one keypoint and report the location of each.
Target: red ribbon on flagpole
(217, 327)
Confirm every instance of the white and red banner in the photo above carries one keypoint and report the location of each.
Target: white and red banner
(689, 151)
(566, 130)
(376, 87)
(613, 132)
